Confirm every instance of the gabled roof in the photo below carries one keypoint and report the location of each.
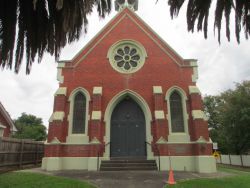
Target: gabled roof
(7, 117)
(126, 12)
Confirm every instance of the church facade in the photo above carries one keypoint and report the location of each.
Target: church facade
(128, 94)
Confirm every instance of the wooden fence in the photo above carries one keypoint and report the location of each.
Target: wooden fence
(19, 152)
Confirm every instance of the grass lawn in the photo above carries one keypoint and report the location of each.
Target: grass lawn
(239, 179)
(27, 179)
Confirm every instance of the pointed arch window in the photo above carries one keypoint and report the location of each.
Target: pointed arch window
(176, 112)
(79, 114)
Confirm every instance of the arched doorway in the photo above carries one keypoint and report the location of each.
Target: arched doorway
(128, 130)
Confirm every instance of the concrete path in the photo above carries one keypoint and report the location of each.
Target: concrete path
(127, 179)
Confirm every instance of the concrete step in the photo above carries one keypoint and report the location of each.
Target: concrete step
(131, 164)
(129, 161)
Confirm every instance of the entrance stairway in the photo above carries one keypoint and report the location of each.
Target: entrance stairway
(122, 164)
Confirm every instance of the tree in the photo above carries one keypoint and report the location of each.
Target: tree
(48, 25)
(30, 127)
(229, 115)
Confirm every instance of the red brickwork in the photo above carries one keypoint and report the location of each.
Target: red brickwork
(91, 68)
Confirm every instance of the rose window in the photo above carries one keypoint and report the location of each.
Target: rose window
(127, 56)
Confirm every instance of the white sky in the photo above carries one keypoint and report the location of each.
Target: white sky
(220, 66)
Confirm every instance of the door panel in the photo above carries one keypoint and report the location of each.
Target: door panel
(127, 130)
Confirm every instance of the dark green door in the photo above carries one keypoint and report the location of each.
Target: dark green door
(128, 130)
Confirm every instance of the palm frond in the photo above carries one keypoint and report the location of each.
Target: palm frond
(7, 31)
(43, 26)
(175, 6)
(198, 10)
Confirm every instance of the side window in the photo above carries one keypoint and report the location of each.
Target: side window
(176, 112)
(79, 114)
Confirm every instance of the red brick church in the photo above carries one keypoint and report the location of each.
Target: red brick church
(127, 95)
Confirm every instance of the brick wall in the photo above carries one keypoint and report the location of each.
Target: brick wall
(160, 69)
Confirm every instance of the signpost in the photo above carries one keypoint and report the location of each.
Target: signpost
(215, 148)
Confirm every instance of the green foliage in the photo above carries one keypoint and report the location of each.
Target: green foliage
(229, 118)
(30, 127)
(26, 180)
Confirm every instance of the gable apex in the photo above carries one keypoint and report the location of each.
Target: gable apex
(144, 27)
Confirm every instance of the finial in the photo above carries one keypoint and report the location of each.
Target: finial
(121, 4)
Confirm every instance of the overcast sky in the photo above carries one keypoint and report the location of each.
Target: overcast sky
(220, 66)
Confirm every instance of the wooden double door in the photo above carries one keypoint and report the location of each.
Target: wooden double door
(128, 130)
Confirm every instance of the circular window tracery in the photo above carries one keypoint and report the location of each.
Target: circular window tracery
(127, 56)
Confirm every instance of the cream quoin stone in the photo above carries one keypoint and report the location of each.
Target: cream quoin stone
(97, 90)
(157, 89)
(159, 114)
(198, 114)
(195, 71)
(61, 91)
(60, 77)
(193, 90)
(57, 116)
(96, 115)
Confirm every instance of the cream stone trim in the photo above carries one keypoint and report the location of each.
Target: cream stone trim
(127, 42)
(159, 114)
(96, 115)
(97, 90)
(51, 163)
(57, 116)
(60, 77)
(194, 89)
(157, 89)
(178, 137)
(2, 126)
(198, 114)
(201, 140)
(161, 141)
(61, 91)
(201, 164)
(145, 108)
(76, 138)
(55, 141)
(205, 164)
(61, 64)
(69, 163)
(95, 141)
(195, 70)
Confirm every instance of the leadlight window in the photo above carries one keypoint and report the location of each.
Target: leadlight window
(127, 56)
(176, 111)
(79, 114)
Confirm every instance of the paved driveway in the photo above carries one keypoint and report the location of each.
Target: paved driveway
(127, 179)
